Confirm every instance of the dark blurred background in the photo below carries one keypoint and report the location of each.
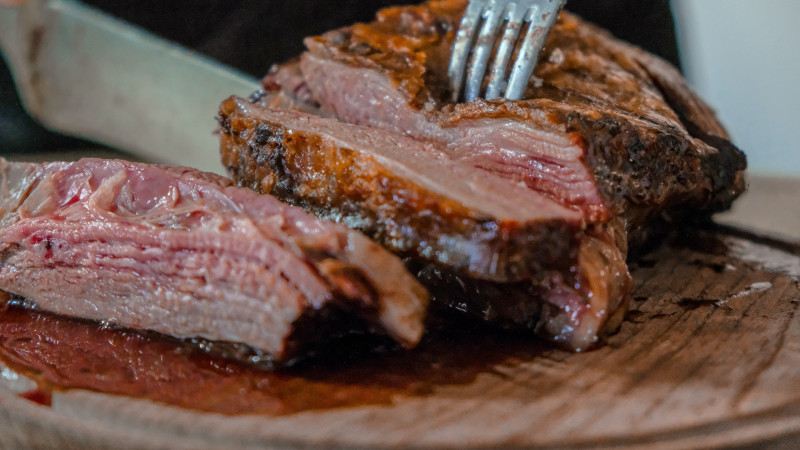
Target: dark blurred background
(251, 35)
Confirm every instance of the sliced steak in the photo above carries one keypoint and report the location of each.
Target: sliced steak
(187, 254)
(521, 212)
(602, 133)
(411, 195)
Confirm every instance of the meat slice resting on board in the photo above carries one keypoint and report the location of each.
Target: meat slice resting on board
(188, 254)
(521, 212)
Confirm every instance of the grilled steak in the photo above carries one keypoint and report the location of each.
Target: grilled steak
(414, 196)
(521, 212)
(185, 253)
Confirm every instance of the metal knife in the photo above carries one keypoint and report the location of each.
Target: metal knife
(83, 73)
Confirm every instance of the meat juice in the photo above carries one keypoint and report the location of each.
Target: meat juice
(61, 353)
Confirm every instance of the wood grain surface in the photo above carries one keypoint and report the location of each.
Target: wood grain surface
(707, 357)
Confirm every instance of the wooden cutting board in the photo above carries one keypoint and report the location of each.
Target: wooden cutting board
(708, 356)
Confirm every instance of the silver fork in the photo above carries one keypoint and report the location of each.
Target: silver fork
(491, 15)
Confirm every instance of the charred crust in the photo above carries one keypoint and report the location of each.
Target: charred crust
(642, 171)
(726, 168)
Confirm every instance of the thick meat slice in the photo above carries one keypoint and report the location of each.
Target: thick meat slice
(610, 134)
(184, 253)
(411, 195)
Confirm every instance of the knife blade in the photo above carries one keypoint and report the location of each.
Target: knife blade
(86, 74)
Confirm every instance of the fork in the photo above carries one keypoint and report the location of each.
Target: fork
(491, 15)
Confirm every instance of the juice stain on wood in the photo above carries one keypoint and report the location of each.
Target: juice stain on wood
(61, 353)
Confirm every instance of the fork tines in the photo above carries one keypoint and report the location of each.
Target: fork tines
(491, 16)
